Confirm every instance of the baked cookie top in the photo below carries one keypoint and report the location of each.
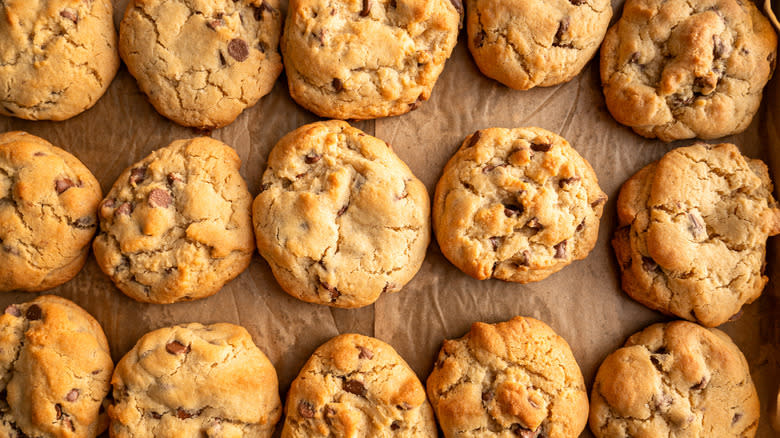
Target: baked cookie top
(514, 378)
(176, 225)
(193, 380)
(516, 204)
(340, 218)
(57, 57)
(525, 44)
(355, 385)
(675, 69)
(55, 368)
(675, 379)
(201, 63)
(363, 59)
(692, 232)
(48, 213)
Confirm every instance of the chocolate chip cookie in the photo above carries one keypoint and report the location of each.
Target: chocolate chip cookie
(357, 386)
(202, 63)
(176, 226)
(676, 69)
(193, 380)
(526, 44)
(57, 57)
(363, 59)
(514, 378)
(55, 368)
(675, 379)
(693, 229)
(340, 218)
(48, 213)
(516, 204)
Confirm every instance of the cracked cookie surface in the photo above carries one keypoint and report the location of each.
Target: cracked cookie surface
(516, 204)
(340, 218)
(676, 69)
(692, 232)
(363, 59)
(357, 386)
(57, 57)
(48, 213)
(176, 226)
(511, 379)
(675, 380)
(193, 380)
(525, 44)
(55, 368)
(201, 63)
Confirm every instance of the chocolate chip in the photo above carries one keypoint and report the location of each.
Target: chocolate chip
(337, 85)
(580, 227)
(63, 184)
(354, 387)
(534, 224)
(525, 260)
(577, 2)
(264, 187)
(495, 242)
(238, 49)
(329, 412)
(541, 147)
(69, 424)
(222, 60)
(458, 6)
(342, 210)
(366, 8)
(479, 39)
(416, 104)
(214, 24)
(70, 15)
(560, 250)
(172, 178)
(312, 158)
(513, 210)
(649, 264)
(39, 154)
(563, 27)
(73, 395)
(395, 425)
(182, 414)
(736, 418)
(34, 312)
(565, 181)
(125, 208)
(176, 347)
(634, 58)
(699, 386)
(599, 201)
(664, 401)
(365, 353)
(155, 415)
(306, 409)
(259, 10)
(697, 227)
(334, 293)
(474, 139)
(488, 396)
(718, 48)
(522, 432)
(58, 410)
(658, 360)
(159, 198)
(13, 310)
(84, 223)
(678, 100)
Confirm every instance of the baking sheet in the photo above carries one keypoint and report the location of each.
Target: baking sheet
(583, 302)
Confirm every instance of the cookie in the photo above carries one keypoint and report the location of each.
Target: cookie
(57, 57)
(692, 232)
(193, 380)
(514, 378)
(176, 226)
(675, 69)
(675, 379)
(357, 386)
(202, 63)
(526, 44)
(363, 59)
(55, 368)
(48, 213)
(340, 218)
(516, 204)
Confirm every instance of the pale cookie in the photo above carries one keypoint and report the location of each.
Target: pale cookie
(538, 43)
(675, 380)
(692, 232)
(55, 368)
(357, 386)
(512, 379)
(195, 381)
(48, 213)
(57, 57)
(516, 204)
(201, 63)
(676, 69)
(176, 226)
(363, 59)
(340, 218)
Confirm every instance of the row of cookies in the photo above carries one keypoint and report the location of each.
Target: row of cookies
(670, 69)
(514, 378)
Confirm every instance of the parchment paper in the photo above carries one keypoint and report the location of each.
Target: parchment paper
(583, 302)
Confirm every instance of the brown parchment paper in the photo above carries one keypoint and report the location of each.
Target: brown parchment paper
(583, 302)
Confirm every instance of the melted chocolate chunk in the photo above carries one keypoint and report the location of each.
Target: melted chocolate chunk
(238, 49)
